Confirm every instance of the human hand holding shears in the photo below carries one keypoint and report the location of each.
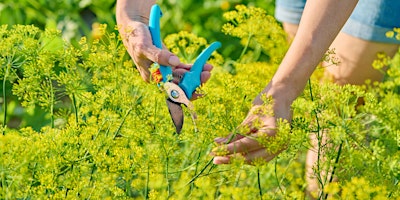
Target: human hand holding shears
(181, 91)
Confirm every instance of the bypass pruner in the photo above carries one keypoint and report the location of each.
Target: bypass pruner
(181, 93)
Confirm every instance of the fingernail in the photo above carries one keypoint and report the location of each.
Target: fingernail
(221, 160)
(174, 61)
(215, 161)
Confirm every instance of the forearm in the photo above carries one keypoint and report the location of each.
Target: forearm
(320, 23)
(128, 11)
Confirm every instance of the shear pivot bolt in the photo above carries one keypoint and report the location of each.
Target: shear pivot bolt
(174, 94)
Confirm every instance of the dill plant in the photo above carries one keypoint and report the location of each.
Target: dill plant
(115, 137)
(257, 30)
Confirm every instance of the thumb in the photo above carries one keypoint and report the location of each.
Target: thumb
(162, 56)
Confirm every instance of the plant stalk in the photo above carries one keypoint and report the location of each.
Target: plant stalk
(75, 108)
(334, 166)
(245, 47)
(259, 183)
(4, 103)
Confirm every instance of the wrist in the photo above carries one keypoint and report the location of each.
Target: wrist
(126, 20)
(279, 92)
(139, 18)
(127, 29)
(283, 96)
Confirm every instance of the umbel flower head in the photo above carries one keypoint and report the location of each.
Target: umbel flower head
(256, 28)
(188, 46)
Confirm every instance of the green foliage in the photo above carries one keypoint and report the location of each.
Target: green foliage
(76, 18)
(91, 128)
(73, 17)
(246, 23)
(205, 18)
(188, 46)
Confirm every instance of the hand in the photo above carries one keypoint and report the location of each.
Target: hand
(178, 73)
(260, 122)
(140, 47)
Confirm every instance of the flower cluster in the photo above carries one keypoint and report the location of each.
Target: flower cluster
(257, 30)
(188, 46)
(91, 128)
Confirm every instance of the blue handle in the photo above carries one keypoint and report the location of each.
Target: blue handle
(154, 27)
(191, 80)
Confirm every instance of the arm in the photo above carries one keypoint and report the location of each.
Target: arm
(320, 23)
(128, 11)
(132, 19)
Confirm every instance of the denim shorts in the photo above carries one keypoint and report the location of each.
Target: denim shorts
(370, 20)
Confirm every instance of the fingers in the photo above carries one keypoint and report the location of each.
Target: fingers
(243, 145)
(260, 153)
(141, 49)
(229, 138)
(204, 76)
(258, 123)
(146, 54)
(249, 158)
(183, 68)
(239, 145)
(160, 56)
(186, 67)
(218, 160)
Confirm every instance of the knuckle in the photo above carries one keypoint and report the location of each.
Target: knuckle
(142, 49)
(139, 47)
(157, 56)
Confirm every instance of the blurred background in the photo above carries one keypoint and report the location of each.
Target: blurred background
(76, 18)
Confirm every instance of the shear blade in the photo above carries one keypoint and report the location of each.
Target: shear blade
(176, 112)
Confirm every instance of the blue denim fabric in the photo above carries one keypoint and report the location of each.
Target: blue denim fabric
(370, 20)
(289, 11)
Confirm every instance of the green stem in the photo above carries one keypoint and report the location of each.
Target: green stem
(166, 176)
(146, 189)
(276, 176)
(334, 167)
(166, 171)
(259, 183)
(201, 171)
(210, 162)
(5, 99)
(182, 50)
(237, 179)
(51, 103)
(195, 170)
(245, 47)
(75, 108)
(319, 137)
(391, 192)
(122, 123)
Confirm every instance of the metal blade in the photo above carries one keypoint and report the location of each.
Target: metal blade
(176, 112)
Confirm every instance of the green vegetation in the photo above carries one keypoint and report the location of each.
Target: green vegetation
(78, 122)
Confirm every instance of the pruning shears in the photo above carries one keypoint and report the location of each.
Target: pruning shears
(181, 93)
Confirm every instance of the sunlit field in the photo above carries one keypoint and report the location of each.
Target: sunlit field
(78, 121)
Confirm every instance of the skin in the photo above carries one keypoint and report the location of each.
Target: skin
(318, 30)
(132, 19)
(356, 57)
